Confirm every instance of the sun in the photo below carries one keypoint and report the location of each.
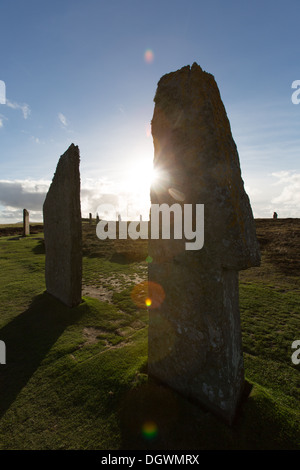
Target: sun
(135, 186)
(141, 176)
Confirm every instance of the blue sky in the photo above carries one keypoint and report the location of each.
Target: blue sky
(75, 71)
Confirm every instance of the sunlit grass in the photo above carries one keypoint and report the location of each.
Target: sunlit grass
(77, 378)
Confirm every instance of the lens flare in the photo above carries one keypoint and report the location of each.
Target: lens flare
(149, 430)
(148, 294)
(148, 130)
(149, 56)
(176, 194)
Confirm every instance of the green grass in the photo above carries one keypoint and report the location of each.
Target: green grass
(76, 378)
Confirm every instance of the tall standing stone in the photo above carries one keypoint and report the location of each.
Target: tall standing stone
(62, 230)
(195, 343)
(26, 226)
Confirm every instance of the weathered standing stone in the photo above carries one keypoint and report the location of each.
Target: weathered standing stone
(26, 226)
(90, 218)
(195, 341)
(62, 230)
(275, 215)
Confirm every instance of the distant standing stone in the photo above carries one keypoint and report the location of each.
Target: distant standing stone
(90, 218)
(275, 215)
(26, 226)
(63, 232)
(195, 343)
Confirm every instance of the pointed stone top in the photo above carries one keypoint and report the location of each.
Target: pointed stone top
(195, 66)
(72, 149)
(194, 145)
(73, 146)
(188, 76)
(69, 161)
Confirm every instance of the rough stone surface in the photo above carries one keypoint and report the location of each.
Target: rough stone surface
(194, 328)
(62, 230)
(26, 226)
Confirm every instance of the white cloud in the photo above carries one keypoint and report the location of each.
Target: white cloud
(274, 192)
(279, 191)
(23, 107)
(253, 192)
(289, 198)
(36, 140)
(95, 196)
(10, 215)
(23, 194)
(2, 119)
(63, 120)
(287, 177)
(260, 199)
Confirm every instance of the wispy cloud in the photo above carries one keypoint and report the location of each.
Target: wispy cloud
(63, 120)
(36, 140)
(2, 119)
(25, 108)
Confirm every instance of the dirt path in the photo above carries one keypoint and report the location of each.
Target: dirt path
(117, 285)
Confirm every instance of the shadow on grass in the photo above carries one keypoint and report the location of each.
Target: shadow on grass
(153, 417)
(39, 248)
(120, 258)
(28, 338)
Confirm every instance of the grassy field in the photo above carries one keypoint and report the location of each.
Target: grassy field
(77, 378)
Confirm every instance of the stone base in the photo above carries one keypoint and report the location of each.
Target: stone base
(195, 342)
